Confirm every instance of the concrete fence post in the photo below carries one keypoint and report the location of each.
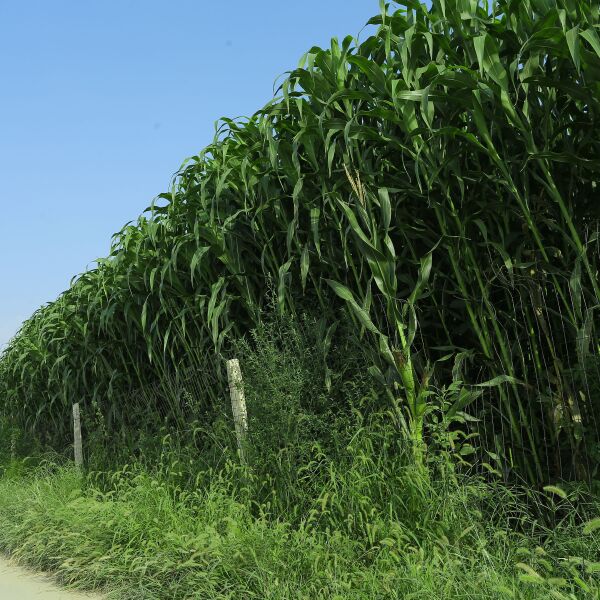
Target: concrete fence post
(78, 447)
(238, 404)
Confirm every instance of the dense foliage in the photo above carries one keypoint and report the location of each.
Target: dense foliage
(332, 507)
(435, 184)
(146, 541)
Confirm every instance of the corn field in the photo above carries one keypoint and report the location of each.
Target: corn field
(433, 184)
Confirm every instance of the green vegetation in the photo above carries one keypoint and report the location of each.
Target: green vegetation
(147, 541)
(402, 248)
(434, 184)
(332, 506)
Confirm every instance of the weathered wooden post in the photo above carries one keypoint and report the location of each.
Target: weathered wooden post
(77, 436)
(238, 404)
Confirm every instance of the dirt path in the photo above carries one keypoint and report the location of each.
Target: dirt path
(17, 583)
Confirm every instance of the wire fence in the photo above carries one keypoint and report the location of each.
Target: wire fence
(177, 405)
(554, 389)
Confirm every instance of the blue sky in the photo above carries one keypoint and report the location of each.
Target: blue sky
(102, 101)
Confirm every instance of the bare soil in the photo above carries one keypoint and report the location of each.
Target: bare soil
(17, 583)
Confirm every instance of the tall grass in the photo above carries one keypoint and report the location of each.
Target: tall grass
(433, 184)
(331, 504)
(379, 529)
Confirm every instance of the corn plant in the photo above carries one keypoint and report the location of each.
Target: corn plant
(433, 183)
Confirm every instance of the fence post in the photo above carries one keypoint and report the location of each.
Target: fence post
(238, 404)
(77, 436)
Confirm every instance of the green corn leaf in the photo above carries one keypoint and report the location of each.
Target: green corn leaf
(281, 288)
(591, 36)
(371, 251)
(315, 214)
(196, 260)
(499, 380)
(304, 266)
(372, 71)
(345, 294)
(575, 285)
(386, 208)
(465, 398)
(572, 37)
(423, 278)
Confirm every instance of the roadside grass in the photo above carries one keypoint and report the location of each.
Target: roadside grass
(332, 505)
(146, 539)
